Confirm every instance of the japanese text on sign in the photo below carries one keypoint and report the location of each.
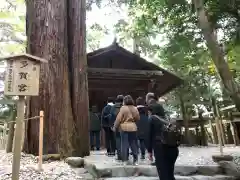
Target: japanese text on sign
(10, 77)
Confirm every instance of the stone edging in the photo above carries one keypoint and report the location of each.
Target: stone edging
(224, 168)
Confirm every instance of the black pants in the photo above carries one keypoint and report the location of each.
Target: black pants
(110, 140)
(95, 135)
(165, 161)
(118, 144)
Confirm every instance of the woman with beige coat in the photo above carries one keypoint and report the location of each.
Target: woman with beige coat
(126, 123)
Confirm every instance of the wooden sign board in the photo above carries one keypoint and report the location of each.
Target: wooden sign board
(22, 75)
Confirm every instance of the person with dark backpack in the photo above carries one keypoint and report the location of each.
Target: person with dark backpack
(113, 115)
(163, 139)
(106, 125)
(95, 128)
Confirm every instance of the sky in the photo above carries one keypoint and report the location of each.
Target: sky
(106, 16)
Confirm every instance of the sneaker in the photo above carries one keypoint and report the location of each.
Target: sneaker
(112, 154)
(118, 159)
(153, 164)
(135, 163)
(108, 154)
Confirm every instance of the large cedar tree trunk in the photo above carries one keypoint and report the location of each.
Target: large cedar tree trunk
(47, 32)
(78, 75)
(217, 54)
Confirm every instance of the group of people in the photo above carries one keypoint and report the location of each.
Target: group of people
(136, 126)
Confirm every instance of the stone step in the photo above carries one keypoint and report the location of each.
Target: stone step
(150, 171)
(195, 177)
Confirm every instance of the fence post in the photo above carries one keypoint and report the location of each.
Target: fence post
(18, 138)
(40, 141)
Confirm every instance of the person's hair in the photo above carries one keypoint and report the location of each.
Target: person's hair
(128, 100)
(140, 101)
(150, 96)
(119, 98)
(110, 99)
(152, 101)
(157, 109)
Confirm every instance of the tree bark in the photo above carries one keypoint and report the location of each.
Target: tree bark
(217, 54)
(47, 38)
(78, 75)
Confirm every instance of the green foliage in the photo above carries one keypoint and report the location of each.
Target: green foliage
(12, 23)
(94, 35)
(184, 51)
(7, 108)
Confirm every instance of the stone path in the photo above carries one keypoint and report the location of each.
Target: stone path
(194, 162)
(197, 177)
(187, 156)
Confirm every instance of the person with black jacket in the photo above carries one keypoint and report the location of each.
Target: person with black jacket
(107, 125)
(151, 98)
(114, 112)
(142, 125)
(165, 156)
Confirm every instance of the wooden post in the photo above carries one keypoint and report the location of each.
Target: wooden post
(18, 139)
(40, 141)
(219, 136)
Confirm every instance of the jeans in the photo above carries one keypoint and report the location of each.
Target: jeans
(142, 147)
(129, 139)
(165, 161)
(96, 135)
(118, 144)
(110, 141)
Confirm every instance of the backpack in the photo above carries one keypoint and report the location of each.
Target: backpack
(116, 111)
(170, 135)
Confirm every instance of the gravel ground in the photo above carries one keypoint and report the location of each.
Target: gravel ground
(52, 171)
(203, 155)
(61, 171)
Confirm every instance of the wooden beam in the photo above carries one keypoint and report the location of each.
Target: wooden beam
(116, 77)
(122, 72)
(116, 89)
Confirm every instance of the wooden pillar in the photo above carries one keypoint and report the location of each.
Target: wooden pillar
(234, 130)
(215, 133)
(152, 86)
(214, 138)
(229, 134)
(203, 133)
(222, 129)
